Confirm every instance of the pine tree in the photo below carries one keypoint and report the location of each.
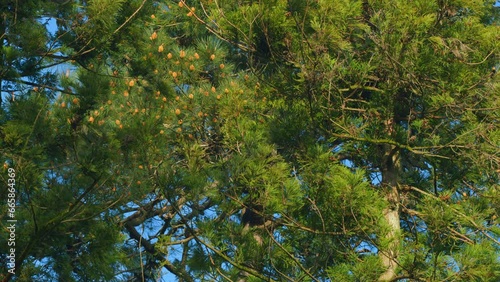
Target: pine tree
(403, 91)
(271, 140)
(66, 229)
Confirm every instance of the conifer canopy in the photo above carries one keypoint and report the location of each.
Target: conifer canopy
(275, 140)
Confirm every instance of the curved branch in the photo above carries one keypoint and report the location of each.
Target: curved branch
(216, 33)
(131, 16)
(41, 86)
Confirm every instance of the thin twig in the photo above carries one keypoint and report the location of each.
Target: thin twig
(291, 256)
(131, 16)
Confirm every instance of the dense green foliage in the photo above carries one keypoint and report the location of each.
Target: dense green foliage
(251, 140)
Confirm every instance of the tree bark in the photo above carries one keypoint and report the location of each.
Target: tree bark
(390, 172)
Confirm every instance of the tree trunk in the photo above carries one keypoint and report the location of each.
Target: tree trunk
(389, 256)
(390, 173)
